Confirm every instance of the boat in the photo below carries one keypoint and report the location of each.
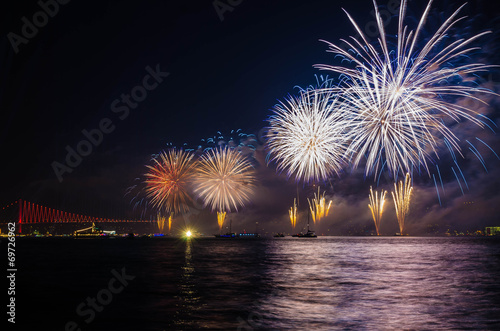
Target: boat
(279, 235)
(226, 235)
(229, 234)
(93, 231)
(308, 234)
(232, 235)
(245, 235)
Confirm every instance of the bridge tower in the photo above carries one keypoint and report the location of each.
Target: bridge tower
(20, 220)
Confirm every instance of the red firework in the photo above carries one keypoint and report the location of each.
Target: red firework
(168, 179)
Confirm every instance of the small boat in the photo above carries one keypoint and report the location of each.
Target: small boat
(226, 235)
(248, 235)
(308, 234)
(279, 235)
(232, 235)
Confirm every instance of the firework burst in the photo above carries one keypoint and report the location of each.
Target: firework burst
(307, 135)
(402, 96)
(401, 197)
(224, 179)
(377, 207)
(168, 179)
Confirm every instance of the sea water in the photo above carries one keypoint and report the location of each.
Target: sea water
(324, 283)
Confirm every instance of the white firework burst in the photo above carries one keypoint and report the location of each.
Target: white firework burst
(307, 135)
(401, 97)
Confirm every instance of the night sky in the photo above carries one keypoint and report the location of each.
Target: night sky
(223, 74)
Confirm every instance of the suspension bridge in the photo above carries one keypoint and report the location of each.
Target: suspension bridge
(28, 213)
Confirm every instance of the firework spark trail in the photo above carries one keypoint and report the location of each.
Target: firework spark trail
(399, 96)
(221, 216)
(307, 135)
(247, 144)
(168, 179)
(474, 150)
(293, 213)
(401, 197)
(376, 206)
(437, 190)
(224, 179)
(491, 149)
(319, 208)
(138, 199)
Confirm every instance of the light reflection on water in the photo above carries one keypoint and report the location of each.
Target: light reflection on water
(286, 283)
(383, 283)
(188, 295)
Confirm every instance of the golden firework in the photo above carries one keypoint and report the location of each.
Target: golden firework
(401, 197)
(377, 207)
(318, 206)
(224, 179)
(221, 216)
(161, 222)
(293, 214)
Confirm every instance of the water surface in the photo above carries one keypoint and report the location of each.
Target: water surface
(327, 283)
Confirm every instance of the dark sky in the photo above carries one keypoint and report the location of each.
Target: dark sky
(222, 75)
